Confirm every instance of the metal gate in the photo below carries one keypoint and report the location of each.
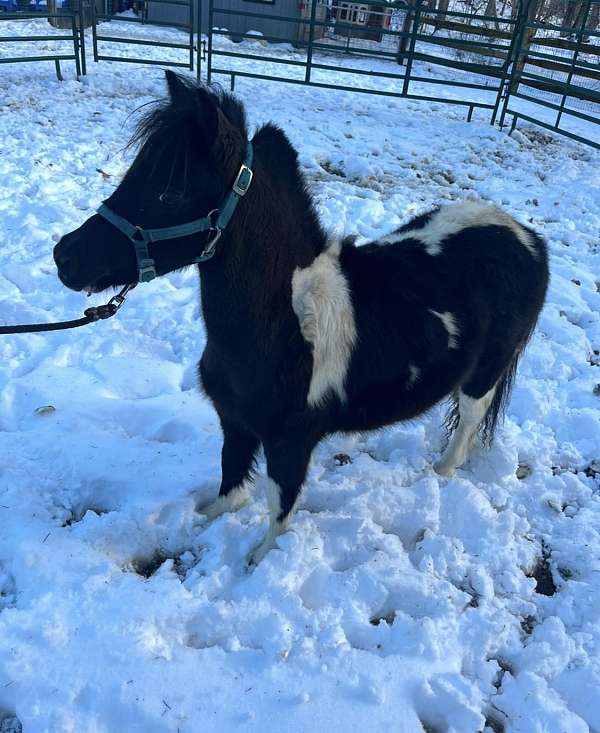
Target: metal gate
(68, 18)
(368, 47)
(555, 75)
(124, 25)
(518, 66)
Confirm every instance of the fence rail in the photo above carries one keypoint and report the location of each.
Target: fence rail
(67, 18)
(185, 8)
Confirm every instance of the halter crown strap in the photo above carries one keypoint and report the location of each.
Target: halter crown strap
(216, 221)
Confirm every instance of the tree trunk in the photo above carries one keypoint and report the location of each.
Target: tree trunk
(491, 11)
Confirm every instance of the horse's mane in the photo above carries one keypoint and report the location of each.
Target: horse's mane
(166, 115)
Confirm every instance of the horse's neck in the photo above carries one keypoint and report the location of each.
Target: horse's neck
(246, 290)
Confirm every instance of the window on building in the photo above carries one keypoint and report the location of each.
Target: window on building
(353, 13)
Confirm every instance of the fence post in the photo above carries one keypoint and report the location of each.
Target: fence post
(81, 31)
(574, 58)
(502, 90)
(411, 49)
(94, 30)
(211, 4)
(512, 83)
(311, 40)
(199, 39)
(191, 35)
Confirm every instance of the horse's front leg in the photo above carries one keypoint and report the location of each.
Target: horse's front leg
(237, 464)
(288, 456)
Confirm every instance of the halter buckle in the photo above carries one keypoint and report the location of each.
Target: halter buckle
(243, 180)
(146, 271)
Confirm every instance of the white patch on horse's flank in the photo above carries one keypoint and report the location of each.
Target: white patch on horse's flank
(453, 219)
(231, 502)
(413, 374)
(451, 326)
(276, 527)
(321, 300)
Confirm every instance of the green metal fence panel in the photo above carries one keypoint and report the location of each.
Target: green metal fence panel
(166, 14)
(557, 91)
(68, 18)
(371, 47)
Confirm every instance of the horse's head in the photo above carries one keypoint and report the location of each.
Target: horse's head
(191, 147)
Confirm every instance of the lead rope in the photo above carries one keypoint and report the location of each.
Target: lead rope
(90, 315)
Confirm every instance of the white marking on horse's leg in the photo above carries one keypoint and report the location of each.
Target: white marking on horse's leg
(451, 326)
(471, 412)
(276, 527)
(231, 502)
(321, 300)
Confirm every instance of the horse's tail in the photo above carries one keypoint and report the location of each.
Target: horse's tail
(503, 392)
(501, 399)
(495, 412)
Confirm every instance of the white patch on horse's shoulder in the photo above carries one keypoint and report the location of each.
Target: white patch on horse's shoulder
(451, 326)
(321, 300)
(455, 218)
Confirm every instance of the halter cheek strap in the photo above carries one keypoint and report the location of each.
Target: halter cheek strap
(215, 221)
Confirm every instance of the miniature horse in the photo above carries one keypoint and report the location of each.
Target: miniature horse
(306, 335)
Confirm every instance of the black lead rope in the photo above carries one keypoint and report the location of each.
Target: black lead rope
(90, 315)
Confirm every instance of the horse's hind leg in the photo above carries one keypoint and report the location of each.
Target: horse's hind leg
(471, 411)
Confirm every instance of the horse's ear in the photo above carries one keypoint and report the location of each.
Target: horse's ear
(207, 115)
(177, 86)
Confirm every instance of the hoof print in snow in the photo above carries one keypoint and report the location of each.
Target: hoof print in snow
(78, 513)
(596, 390)
(594, 357)
(387, 617)
(523, 471)
(565, 573)
(10, 724)
(147, 566)
(543, 577)
(342, 459)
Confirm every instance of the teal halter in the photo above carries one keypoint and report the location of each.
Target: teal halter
(215, 222)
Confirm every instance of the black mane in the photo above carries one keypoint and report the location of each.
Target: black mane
(166, 115)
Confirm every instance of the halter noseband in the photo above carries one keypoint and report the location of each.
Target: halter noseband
(215, 222)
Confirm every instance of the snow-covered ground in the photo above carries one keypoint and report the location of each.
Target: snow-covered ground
(398, 601)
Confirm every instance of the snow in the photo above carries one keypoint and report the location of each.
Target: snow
(398, 600)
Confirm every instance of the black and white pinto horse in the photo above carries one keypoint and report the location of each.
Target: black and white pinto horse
(307, 335)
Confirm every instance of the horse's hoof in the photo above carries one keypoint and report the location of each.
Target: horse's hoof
(231, 502)
(258, 553)
(443, 470)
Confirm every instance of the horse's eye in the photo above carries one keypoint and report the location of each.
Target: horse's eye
(170, 198)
